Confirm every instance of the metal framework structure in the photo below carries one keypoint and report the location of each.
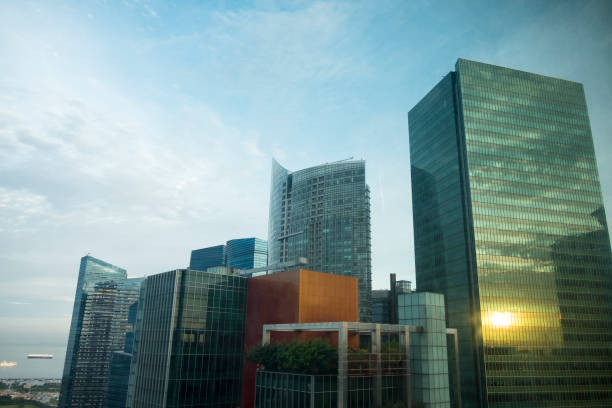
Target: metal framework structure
(375, 331)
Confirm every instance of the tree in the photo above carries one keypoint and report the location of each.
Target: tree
(316, 357)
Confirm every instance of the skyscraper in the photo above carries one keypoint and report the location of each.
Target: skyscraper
(188, 349)
(323, 213)
(98, 327)
(241, 253)
(246, 253)
(509, 225)
(207, 257)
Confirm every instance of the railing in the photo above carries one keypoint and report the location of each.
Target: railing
(289, 390)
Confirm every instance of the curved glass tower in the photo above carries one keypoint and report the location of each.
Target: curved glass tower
(509, 225)
(323, 213)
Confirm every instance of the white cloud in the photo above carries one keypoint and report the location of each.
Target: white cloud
(305, 44)
(86, 165)
(112, 152)
(17, 303)
(150, 10)
(251, 148)
(18, 207)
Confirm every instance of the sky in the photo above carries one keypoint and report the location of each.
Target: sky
(137, 131)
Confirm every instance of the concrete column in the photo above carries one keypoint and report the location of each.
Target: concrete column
(457, 370)
(342, 365)
(405, 344)
(312, 391)
(376, 349)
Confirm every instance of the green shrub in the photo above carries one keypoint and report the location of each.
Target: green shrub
(315, 357)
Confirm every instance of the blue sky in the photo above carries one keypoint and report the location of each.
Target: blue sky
(138, 131)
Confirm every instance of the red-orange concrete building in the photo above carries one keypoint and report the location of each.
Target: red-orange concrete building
(298, 296)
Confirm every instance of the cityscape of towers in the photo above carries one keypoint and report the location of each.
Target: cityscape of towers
(509, 230)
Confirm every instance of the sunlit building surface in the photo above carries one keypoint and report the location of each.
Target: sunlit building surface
(188, 349)
(509, 225)
(99, 326)
(323, 213)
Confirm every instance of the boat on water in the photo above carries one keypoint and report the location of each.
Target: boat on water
(5, 364)
(45, 356)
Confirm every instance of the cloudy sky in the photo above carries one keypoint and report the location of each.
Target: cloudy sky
(139, 130)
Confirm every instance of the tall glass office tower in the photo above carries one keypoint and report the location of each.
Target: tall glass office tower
(99, 326)
(323, 213)
(509, 225)
(189, 341)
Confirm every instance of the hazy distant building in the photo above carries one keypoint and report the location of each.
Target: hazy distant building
(246, 253)
(403, 286)
(189, 341)
(98, 327)
(207, 257)
(509, 225)
(384, 301)
(323, 213)
(381, 306)
(242, 253)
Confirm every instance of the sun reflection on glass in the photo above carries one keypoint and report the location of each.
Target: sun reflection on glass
(500, 319)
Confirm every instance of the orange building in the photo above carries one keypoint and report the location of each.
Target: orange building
(298, 296)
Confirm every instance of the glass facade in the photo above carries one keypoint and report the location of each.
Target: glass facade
(99, 326)
(190, 341)
(403, 286)
(242, 253)
(510, 226)
(288, 390)
(381, 306)
(428, 349)
(323, 213)
(207, 257)
(246, 253)
(116, 392)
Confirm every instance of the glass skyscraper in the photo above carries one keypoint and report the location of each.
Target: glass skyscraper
(246, 253)
(99, 326)
(509, 225)
(241, 253)
(119, 374)
(323, 213)
(189, 342)
(207, 257)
